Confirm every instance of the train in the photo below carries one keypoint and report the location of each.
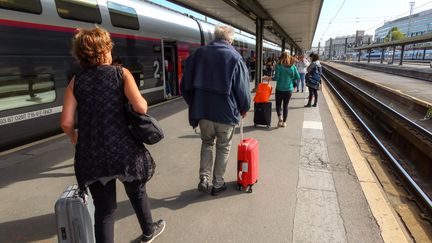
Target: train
(408, 55)
(36, 62)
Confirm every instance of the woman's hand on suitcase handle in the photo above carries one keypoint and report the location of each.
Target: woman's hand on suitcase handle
(83, 194)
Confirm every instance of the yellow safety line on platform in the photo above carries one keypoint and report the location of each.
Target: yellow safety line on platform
(378, 203)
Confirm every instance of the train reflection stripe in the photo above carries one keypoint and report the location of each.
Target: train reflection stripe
(28, 25)
(30, 115)
(145, 91)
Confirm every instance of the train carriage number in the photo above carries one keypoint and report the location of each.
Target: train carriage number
(156, 73)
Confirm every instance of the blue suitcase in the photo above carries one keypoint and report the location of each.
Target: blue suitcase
(74, 217)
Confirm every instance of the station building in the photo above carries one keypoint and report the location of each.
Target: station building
(421, 23)
(335, 47)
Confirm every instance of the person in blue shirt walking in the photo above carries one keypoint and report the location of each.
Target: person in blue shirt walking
(285, 75)
(215, 86)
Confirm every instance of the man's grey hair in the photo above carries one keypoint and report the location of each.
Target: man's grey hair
(224, 32)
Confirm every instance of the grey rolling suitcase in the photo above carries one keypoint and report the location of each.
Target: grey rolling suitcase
(74, 217)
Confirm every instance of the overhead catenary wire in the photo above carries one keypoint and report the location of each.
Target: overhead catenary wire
(334, 17)
(344, 22)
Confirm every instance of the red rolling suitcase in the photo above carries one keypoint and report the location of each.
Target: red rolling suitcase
(247, 162)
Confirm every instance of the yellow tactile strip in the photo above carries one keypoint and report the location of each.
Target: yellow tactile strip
(379, 205)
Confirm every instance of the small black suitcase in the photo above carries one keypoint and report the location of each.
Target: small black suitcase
(262, 114)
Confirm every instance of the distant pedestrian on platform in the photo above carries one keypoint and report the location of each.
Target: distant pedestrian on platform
(105, 150)
(168, 72)
(285, 75)
(269, 65)
(215, 85)
(313, 79)
(251, 63)
(301, 64)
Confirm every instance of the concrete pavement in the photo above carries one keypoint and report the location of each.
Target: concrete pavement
(307, 190)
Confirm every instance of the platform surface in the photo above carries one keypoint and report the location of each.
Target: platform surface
(308, 190)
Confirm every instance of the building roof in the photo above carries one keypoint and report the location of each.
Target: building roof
(405, 41)
(294, 20)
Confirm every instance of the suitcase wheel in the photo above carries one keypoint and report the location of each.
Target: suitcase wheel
(249, 189)
(239, 187)
(268, 126)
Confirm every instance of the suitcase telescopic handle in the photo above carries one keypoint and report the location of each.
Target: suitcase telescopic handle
(268, 80)
(241, 129)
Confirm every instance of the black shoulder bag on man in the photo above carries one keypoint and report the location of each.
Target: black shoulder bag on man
(143, 127)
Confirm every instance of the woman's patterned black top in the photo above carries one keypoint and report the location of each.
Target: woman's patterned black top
(105, 147)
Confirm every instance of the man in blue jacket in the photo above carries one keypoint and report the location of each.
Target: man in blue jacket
(215, 85)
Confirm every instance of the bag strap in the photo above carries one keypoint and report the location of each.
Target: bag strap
(119, 75)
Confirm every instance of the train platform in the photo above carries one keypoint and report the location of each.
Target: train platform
(420, 90)
(421, 72)
(314, 185)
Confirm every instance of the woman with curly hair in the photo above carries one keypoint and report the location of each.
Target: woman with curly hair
(104, 149)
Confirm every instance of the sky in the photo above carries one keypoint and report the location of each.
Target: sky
(344, 17)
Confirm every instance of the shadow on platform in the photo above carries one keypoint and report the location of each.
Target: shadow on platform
(192, 196)
(38, 228)
(41, 165)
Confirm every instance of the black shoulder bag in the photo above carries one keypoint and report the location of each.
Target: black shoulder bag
(143, 128)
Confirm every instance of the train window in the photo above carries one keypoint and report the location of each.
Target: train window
(20, 91)
(87, 11)
(22, 5)
(123, 16)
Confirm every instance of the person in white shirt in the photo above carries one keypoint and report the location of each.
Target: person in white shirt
(168, 73)
(301, 65)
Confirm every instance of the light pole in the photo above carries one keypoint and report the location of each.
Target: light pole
(410, 15)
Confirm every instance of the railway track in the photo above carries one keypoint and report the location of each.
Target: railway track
(406, 145)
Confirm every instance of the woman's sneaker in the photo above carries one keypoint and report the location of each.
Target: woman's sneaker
(280, 123)
(158, 228)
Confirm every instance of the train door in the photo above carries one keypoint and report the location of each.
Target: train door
(170, 67)
(182, 55)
